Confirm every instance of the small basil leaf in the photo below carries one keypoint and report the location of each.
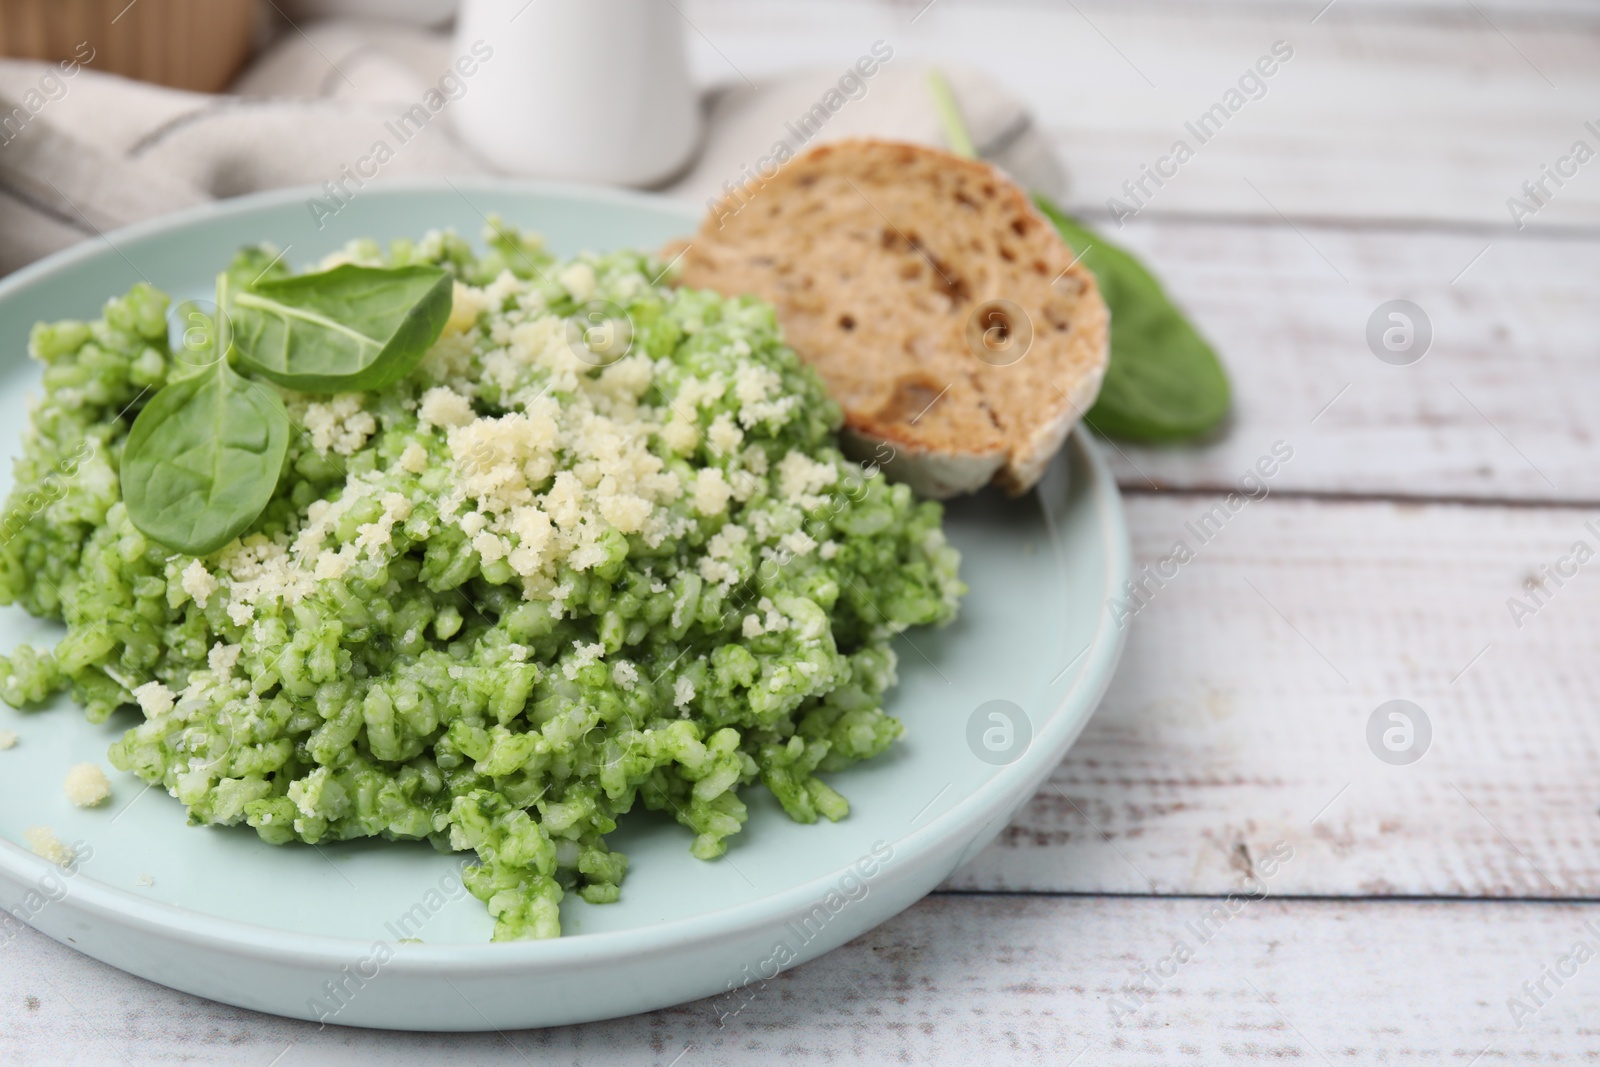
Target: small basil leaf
(350, 329)
(1164, 382)
(203, 458)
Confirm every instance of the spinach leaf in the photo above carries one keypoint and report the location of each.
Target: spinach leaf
(1164, 382)
(203, 458)
(349, 329)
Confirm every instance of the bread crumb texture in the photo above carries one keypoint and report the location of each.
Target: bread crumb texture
(943, 311)
(87, 785)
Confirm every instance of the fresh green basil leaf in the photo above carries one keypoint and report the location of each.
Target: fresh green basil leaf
(1164, 382)
(203, 458)
(350, 329)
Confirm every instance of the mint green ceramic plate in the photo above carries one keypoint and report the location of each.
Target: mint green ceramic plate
(326, 932)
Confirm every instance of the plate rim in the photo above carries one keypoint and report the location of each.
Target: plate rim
(1064, 721)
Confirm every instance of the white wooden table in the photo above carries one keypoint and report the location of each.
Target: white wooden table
(1419, 898)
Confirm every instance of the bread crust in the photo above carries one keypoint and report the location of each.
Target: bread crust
(935, 474)
(953, 325)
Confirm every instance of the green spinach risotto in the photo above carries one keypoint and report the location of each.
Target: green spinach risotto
(486, 550)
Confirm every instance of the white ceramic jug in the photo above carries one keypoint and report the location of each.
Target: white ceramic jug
(594, 90)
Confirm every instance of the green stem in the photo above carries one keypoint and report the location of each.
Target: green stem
(944, 102)
(223, 336)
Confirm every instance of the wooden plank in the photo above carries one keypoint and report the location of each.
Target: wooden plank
(1499, 407)
(961, 980)
(1239, 712)
(1437, 112)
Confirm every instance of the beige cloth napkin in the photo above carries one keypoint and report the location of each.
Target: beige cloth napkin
(83, 154)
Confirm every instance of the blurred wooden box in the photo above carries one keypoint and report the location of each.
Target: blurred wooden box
(187, 44)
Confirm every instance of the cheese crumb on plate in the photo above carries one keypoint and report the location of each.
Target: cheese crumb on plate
(87, 785)
(46, 845)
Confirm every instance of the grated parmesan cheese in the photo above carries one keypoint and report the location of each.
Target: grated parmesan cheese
(800, 478)
(444, 407)
(583, 655)
(798, 543)
(489, 547)
(466, 304)
(413, 459)
(339, 424)
(198, 583)
(753, 385)
(44, 843)
(578, 279)
(155, 698)
(725, 436)
(755, 460)
(223, 658)
(775, 621)
(334, 565)
(681, 435)
(378, 534)
(711, 491)
(745, 485)
(87, 786)
(625, 674)
(682, 692)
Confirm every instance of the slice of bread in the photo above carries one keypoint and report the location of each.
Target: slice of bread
(943, 311)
